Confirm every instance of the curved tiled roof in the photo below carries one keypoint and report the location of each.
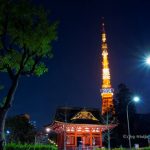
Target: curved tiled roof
(78, 115)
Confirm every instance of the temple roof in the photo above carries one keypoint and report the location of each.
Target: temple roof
(78, 115)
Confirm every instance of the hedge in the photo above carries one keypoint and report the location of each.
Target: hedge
(14, 146)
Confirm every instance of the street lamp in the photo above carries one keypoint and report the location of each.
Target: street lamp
(134, 99)
(7, 133)
(48, 130)
(147, 60)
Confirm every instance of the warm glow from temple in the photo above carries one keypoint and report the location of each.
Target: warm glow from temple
(106, 91)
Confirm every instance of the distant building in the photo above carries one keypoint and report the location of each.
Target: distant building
(33, 123)
(27, 116)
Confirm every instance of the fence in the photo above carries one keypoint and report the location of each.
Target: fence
(81, 148)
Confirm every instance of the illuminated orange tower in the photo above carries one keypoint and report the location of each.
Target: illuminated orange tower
(106, 90)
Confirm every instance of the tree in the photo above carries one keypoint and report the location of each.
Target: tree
(26, 37)
(21, 130)
(122, 97)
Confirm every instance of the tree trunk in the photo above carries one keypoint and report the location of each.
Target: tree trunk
(4, 109)
(2, 125)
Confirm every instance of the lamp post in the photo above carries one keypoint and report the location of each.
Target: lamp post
(135, 99)
(7, 136)
(48, 130)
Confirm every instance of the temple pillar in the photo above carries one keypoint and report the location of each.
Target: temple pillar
(101, 138)
(91, 141)
(75, 137)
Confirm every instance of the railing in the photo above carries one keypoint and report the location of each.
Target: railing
(83, 148)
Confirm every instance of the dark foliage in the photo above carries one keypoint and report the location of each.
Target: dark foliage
(122, 98)
(21, 130)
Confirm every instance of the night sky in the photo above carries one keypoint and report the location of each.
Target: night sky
(74, 76)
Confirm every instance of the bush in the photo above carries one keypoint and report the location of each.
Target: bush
(14, 146)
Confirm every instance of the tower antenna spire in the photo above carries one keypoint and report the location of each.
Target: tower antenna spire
(106, 89)
(103, 25)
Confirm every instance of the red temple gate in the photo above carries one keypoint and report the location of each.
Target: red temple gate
(82, 130)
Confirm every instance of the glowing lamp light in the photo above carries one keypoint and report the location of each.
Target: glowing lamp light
(148, 60)
(136, 99)
(48, 130)
(7, 132)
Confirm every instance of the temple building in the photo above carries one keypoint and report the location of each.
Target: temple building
(77, 127)
(84, 127)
